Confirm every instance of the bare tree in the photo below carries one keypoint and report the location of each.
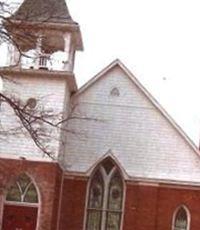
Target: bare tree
(36, 122)
(32, 121)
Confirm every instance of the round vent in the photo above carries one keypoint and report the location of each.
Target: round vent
(31, 103)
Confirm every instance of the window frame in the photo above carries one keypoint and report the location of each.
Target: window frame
(187, 213)
(106, 178)
(23, 203)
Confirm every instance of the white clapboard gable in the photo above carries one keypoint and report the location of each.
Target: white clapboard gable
(120, 117)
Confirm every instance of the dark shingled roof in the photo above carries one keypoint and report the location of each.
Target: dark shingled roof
(55, 11)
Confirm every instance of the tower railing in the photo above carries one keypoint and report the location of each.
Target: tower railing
(33, 59)
(43, 61)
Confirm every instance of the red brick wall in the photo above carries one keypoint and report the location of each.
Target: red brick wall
(140, 207)
(47, 177)
(131, 207)
(147, 200)
(146, 207)
(73, 204)
(170, 199)
(57, 192)
(152, 208)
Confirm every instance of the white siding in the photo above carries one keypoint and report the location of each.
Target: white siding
(141, 138)
(51, 94)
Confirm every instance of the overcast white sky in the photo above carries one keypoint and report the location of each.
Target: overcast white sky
(158, 40)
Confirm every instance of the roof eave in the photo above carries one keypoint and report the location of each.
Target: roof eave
(15, 71)
(74, 28)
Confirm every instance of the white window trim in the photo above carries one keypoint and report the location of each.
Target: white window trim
(14, 203)
(105, 196)
(109, 154)
(188, 216)
(24, 204)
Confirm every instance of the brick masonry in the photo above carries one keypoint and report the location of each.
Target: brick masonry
(73, 204)
(146, 207)
(47, 178)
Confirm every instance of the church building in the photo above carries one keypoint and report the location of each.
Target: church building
(119, 162)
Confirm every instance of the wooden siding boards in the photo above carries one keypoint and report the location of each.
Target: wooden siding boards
(142, 137)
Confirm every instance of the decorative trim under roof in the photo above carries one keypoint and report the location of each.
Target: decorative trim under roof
(17, 72)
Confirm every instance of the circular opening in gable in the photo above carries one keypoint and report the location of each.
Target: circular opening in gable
(31, 103)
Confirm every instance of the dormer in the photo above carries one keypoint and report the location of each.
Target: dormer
(44, 36)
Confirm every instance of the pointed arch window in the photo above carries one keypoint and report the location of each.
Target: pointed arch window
(104, 209)
(23, 190)
(181, 219)
(115, 92)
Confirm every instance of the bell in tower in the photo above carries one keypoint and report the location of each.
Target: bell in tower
(44, 36)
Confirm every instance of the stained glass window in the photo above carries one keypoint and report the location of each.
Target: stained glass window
(181, 220)
(95, 204)
(23, 190)
(105, 198)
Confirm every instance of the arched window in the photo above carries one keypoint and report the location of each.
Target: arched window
(181, 219)
(23, 190)
(104, 209)
(115, 92)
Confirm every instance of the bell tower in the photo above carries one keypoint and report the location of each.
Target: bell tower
(38, 82)
(44, 41)
(44, 36)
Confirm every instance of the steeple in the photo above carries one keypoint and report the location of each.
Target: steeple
(42, 28)
(43, 10)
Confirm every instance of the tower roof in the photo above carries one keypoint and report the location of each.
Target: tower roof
(53, 11)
